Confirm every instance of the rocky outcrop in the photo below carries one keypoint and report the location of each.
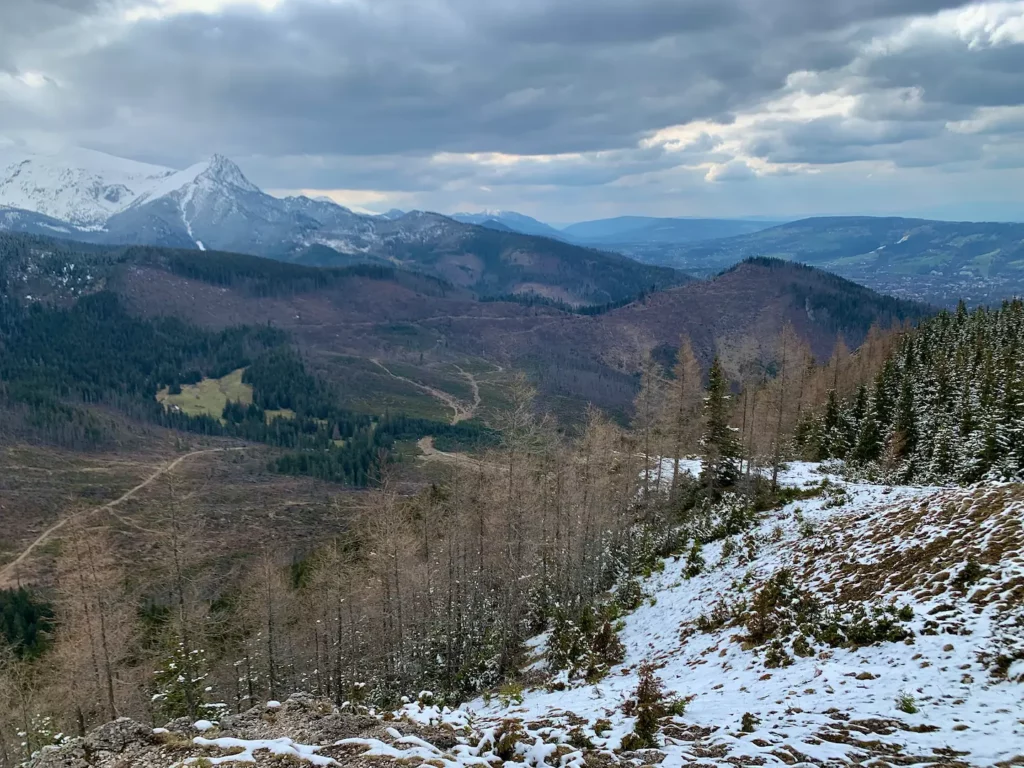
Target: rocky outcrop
(301, 730)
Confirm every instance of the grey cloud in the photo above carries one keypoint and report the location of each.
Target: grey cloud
(359, 94)
(949, 72)
(409, 173)
(399, 76)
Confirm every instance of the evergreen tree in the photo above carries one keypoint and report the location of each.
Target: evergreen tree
(834, 432)
(721, 447)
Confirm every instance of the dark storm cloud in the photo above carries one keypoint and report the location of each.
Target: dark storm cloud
(363, 93)
(414, 172)
(23, 21)
(396, 76)
(954, 73)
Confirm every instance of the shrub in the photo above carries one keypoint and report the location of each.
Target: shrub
(802, 646)
(507, 736)
(776, 656)
(778, 608)
(649, 705)
(749, 722)
(579, 739)
(905, 703)
(695, 561)
(510, 693)
(728, 549)
(629, 594)
(970, 574)
(584, 643)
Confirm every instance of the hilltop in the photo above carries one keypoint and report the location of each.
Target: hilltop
(367, 312)
(935, 261)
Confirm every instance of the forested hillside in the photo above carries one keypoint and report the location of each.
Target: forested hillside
(59, 363)
(947, 405)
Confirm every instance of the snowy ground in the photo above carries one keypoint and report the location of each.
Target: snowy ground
(901, 545)
(856, 544)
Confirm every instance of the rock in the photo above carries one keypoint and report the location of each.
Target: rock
(110, 744)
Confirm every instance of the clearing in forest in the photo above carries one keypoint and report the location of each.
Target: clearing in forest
(209, 396)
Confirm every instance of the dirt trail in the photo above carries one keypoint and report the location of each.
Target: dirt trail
(9, 569)
(430, 453)
(473, 385)
(460, 411)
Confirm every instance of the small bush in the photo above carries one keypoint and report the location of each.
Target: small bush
(905, 702)
(749, 722)
(802, 646)
(695, 561)
(510, 693)
(649, 705)
(629, 594)
(970, 574)
(728, 549)
(776, 656)
(579, 739)
(779, 607)
(509, 734)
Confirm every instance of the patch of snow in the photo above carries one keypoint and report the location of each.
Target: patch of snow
(284, 748)
(202, 725)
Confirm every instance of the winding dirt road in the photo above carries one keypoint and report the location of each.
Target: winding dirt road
(11, 568)
(460, 411)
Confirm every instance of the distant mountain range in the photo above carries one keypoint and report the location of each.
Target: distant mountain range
(93, 197)
(510, 221)
(97, 198)
(620, 233)
(935, 261)
(626, 231)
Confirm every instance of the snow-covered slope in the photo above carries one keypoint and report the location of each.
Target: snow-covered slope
(920, 589)
(862, 546)
(867, 556)
(78, 186)
(98, 197)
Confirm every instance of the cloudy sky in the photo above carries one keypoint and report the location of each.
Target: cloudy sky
(562, 109)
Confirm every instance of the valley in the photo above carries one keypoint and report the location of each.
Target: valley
(496, 384)
(937, 262)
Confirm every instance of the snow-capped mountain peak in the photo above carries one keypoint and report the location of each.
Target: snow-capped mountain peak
(224, 171)
(86, 188)
(76, 185)
(217, 172)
